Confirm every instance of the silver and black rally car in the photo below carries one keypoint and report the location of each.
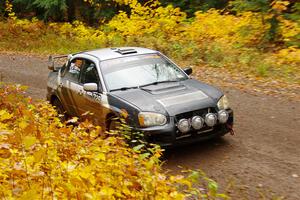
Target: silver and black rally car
(144, 87)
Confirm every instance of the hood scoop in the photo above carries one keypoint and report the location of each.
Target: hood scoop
(156, 90)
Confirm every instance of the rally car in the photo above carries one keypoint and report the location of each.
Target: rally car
(145, 88)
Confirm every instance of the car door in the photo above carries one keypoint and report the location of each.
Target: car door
(89, 103)
(69, 86)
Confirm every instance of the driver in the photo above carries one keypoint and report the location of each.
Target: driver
(76, 66)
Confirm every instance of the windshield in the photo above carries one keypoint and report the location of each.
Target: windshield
(135, 71)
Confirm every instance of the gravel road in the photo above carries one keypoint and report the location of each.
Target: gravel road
(263, 158)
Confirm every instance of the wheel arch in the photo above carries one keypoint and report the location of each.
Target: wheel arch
(109, 118)
(53, 97)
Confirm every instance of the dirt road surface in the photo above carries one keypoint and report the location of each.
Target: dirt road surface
(263, 158)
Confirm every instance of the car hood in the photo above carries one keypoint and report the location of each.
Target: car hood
(172, 98)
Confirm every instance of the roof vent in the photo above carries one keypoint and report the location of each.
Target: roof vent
(125, 51)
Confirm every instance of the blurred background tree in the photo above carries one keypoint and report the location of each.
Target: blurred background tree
(272, 12)
(44, 9)
(2, 9)
(190, 7)
(91, 10)
(96, 12)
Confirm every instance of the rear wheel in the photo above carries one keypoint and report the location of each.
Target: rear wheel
(60, 110)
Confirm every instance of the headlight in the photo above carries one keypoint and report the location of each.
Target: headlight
(223, 103)
(147, 119)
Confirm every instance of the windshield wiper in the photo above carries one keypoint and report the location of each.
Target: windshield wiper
(123, 88)
(141, 86)
(157, 82)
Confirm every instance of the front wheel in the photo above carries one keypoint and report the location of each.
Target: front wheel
(60, 110)
(114, 124)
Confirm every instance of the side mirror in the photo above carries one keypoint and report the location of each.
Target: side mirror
(51, 63)
(188, 70)
(90, 87)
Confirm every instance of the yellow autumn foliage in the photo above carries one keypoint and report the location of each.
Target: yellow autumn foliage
(42, 158)
(9, 10)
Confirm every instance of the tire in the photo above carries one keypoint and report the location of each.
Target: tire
(60, 110)
(114, 124)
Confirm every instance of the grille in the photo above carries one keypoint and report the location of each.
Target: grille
(188, 115)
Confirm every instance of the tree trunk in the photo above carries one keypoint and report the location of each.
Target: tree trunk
(74, 9)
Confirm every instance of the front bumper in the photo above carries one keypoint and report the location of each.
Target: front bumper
(169, 135)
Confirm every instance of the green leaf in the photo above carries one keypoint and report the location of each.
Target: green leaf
(144, 155)
(213, 187)
(194, 176)
(138, 147)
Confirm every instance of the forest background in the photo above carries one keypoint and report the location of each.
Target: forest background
(260, 38)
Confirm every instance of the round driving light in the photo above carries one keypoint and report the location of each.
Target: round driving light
(184, 125)
(210, 119)
(223, 116)
(197, 122)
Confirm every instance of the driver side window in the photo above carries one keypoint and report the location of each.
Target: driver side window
(74, 68)
(89, 74)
